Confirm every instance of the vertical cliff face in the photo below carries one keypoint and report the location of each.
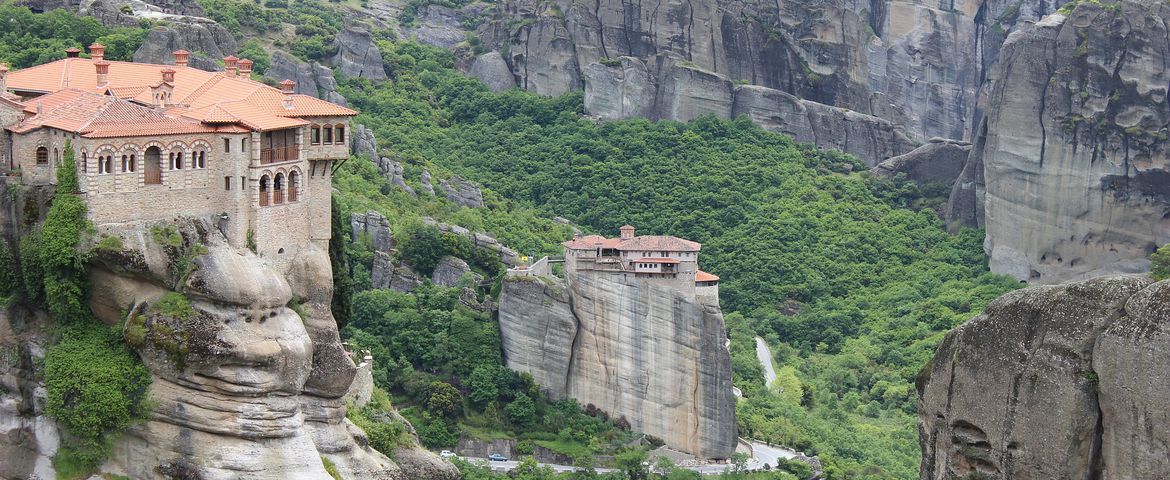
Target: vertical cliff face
(1066, 381)
(634, 350)
(1074, 153)
(915, 63)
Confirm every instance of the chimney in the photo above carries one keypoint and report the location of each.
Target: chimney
(288, 87)
(3, 77)
(97, 51)
(168, 75)
(103, 71)
(245, 68)
(230, 64)
(627, 232)
(72, 52)
(181, 57)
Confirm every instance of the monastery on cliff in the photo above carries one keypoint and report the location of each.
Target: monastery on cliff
(659, 259)
(154, 142)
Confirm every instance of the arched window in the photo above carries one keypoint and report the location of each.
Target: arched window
(105, 164)
(109, 164)
(315, 137)
(199, 159)
(339, 134)
(278, 189)
(56, 157)
(264, 191)
(294, 185)
(42, 156)
(84, 162)
(176, 160)
(125, 163)
(133, 163)
(328, 135)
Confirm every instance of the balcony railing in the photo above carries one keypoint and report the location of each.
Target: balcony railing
(278, 154)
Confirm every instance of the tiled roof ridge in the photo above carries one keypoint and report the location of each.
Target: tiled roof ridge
(98, 114)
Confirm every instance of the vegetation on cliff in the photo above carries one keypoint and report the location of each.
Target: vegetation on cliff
(30, 39)
(851, 286)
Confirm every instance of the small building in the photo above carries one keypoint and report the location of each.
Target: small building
(154, 142)
(661, 259)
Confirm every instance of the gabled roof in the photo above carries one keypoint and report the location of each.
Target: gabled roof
(238, 99)
(101, 116)
(647, 243)
(701, 276)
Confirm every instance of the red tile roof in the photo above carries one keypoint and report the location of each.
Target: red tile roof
(701, 276)
(237, 99)
(101, 116)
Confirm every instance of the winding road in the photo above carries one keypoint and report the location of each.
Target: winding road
(765, 357)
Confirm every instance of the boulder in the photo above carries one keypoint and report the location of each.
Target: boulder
(462, 192)
(1052, 382)
(357, 56)
(939, 162)
(425, 179)
(449, 271)
(392, 170)
(385, 273)
(374, 226)
(621, 89)
(363, 142)
(312, 79)
(493, 70)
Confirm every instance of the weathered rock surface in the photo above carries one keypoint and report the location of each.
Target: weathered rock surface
(363, 142)
(312, 79)
(938, 162)
(1074, 155)
(462, 192)
(425, 179)
(443, 26)
(386, 273)
(375, 226)
(1066, 381)
(916, 63)
(636, 351)
(393, 170)
(357, 56)
(493, 70)
(450, 270)
(206, 40)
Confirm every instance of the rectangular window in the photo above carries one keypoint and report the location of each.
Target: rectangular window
(244, 144)
(315, 136)
(243, 183)
(227, 183)
(328, 136)
(227, 145)
(339, 137)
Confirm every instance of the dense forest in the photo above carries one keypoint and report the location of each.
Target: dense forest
(851, 279)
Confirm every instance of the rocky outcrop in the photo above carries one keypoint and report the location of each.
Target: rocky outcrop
(363, 142)
(450, 270)
(388, 273)
(462, 192)
(917, 63)
(375, 227)
(443, 26)
(393, 172)
(634, 350)
(312, 79)
(1074, 147)
(206, 40)
(242, 384)
(628, 87)
(491, 69)
(425, 180)
(1066, 381)
(480, 240)
(939, 162)
(357, 56)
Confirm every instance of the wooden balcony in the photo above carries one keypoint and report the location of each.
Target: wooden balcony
(278, 154)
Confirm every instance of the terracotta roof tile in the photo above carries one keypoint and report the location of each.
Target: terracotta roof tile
(640, 243)
(657, 260)
(101, 116)
(701, 276)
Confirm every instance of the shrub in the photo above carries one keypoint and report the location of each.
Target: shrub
(174, 305)
(330, 468)
(1160, 263)
(9, 275)
(95, 389)
(62, 234)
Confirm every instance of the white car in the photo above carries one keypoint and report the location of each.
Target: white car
(448, 454)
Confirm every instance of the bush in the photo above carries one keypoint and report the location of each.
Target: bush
(63, 231)
(1160, 263)
(174, 305)
(95, 388)
(9, 275)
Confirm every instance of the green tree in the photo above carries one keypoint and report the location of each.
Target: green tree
(9, 274)
(444, 400)
(484, 386)
(341, 303)
(522, 411)
(64, 229)
(633, 463)
(423, 249)
(1160, 263)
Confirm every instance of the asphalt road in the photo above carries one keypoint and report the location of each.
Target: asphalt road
(765, 357)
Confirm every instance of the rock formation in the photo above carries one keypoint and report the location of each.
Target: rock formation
(938, 162)
(312, 79)
(1073, 146)
(1066, 381)
(918, 63)
(206, 40)
(462, 192)
(393, 172)
(357, 56)
(374, 226)
(492, 70)
(450, 270)
(635, 351)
